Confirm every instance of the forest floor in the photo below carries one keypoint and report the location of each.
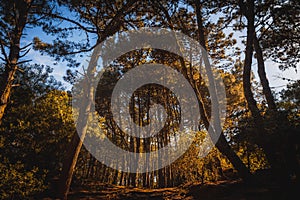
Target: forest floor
(225, 190)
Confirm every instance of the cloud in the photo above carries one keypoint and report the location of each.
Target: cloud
(59, 69)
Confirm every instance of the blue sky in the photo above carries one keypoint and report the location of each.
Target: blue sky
(273, 72)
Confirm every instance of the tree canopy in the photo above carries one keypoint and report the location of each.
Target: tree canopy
(42, 149)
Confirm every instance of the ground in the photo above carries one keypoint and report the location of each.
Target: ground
(225, 190)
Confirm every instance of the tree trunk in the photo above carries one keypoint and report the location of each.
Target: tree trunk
(248, 11)
(82, 125)
(222, 144)
(271, 149)
(292, 162)
(6, 85)
(14, 51)
(262, 75)
(76, 144)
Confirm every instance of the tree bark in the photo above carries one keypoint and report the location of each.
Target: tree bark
(14, 54)
(270, 148)
(221, 144)
(248, 11)
(287, 151)
(262, 75)
(76, 144)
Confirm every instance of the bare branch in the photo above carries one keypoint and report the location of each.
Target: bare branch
(24, 61)
(25, 47)
(15, 85)
(3, 52)
(90, 30)
(116, 20)
(81, 51)
(24, 54)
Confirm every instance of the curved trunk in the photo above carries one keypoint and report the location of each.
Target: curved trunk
(76, 144)
(248, 11)
(272, 150)
(222, 144)
(262, 75)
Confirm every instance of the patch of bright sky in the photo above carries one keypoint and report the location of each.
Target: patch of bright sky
(59, 68)
(274, 74)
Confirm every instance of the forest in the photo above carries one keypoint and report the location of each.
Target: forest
(149, 99)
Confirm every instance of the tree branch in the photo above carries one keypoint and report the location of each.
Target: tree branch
(90, 30)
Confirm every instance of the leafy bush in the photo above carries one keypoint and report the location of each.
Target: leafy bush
(18, 182)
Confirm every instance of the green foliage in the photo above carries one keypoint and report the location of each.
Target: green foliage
(38, 123)
(252, 156)
(290, 102)
(280, 31)
(35, 130)
(18, 182)
(190, 167)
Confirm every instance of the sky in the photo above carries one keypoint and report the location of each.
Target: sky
(274, 74)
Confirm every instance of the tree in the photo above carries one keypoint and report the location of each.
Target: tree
(16, 17)
(259, 17)
(198, 32)
(89, 13)
(222, 144)
(33, 134)
(279, 32)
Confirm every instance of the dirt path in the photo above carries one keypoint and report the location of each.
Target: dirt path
(234, 190)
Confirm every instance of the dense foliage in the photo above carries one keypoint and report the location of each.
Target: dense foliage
(39, 144)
